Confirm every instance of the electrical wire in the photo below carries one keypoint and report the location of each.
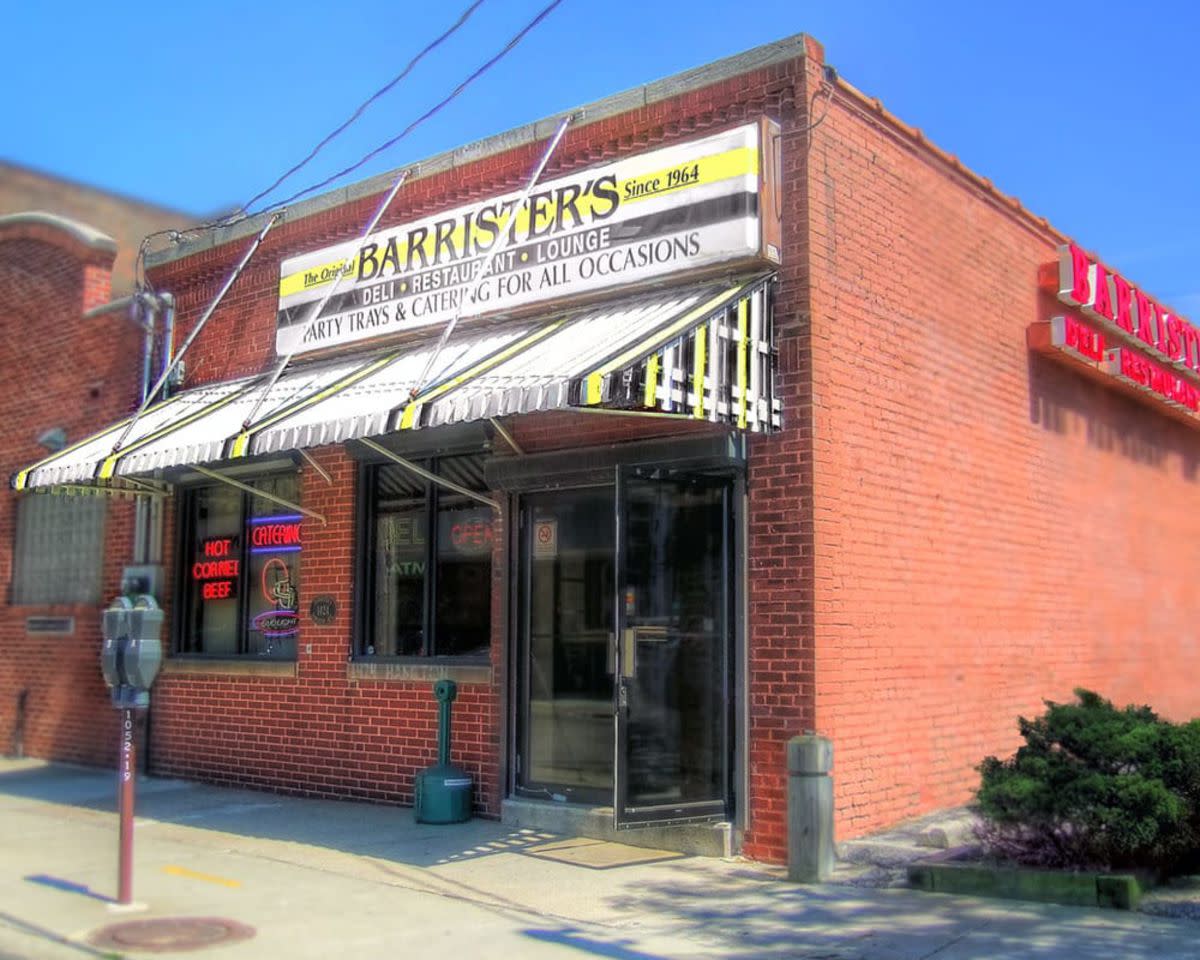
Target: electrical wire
(479, 72)
(240, 213)
(429, 48)
(243, 212)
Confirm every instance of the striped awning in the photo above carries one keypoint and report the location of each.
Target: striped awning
(702, 352)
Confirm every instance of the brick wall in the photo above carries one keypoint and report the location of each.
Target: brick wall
(990, 528)
(322, 732)
(124, 219)
(60, 371)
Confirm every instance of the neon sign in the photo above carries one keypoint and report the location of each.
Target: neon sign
(277, 623)
(275, 534)
(217, 572)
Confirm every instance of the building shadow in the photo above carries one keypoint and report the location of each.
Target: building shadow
(1064, 402)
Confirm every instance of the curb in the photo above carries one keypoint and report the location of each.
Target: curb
(1120, 891)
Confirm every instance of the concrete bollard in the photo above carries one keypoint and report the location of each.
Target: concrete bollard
(810, 809)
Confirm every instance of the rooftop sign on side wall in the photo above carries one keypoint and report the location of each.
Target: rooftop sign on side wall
(1120, 334)
(676, 209)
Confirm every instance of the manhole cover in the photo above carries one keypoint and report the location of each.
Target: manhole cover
(166, 934)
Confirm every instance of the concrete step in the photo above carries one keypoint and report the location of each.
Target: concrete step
(575, 820)
(880, 853)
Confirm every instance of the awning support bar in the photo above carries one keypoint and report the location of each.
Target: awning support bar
(312, 317)
(497, 248)
(508, 437)
(246, 488)
(308, 458)
(153, 392)
(97, 491)
(427, 475)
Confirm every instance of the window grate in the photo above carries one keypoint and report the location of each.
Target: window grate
(59, 550)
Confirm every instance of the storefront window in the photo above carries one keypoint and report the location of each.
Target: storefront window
(241, 571)
(428, 586)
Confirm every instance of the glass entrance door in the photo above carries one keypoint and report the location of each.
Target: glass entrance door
(565, 738)
(623, 665)
(674, 567)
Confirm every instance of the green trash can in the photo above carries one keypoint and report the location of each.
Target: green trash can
(442, 793)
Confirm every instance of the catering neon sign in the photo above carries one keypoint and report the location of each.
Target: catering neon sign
(275, 534)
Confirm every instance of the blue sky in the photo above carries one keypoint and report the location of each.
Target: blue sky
(1087, 112)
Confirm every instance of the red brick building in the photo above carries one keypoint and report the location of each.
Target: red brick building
(125, 219)
(768, 416)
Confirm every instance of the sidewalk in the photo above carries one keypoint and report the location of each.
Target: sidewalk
(323, 878)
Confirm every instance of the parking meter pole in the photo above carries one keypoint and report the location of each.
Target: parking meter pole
(125, 805)
(130, 657)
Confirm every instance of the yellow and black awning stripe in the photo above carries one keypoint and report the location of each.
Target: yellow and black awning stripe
(715, 362)
(698, 353)
(407, 416)
(239, 445)
(21, 479)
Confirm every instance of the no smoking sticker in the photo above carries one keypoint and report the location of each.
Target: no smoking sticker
(545, 538)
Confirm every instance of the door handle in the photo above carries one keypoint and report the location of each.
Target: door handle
(629, 652)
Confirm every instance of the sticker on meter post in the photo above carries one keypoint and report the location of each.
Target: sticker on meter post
(457, 782)
(545, 538)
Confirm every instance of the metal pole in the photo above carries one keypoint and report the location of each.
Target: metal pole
(125, 803)
(246, 488)
(195, 331)
(497, 248)
(147, 310)
(168, 337)
(312, 317)
(427, 475)
(508, 437)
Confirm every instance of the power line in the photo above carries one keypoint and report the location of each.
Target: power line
(243, 212)
(463, 18)
(480, 71)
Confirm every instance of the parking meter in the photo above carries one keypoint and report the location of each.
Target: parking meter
(114, 626)
(143, 658)
(129, 659)
(131, 654)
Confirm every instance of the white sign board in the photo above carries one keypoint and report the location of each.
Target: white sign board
(545, 538)
(682, 207)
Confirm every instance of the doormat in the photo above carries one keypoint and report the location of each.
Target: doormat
(599, 854)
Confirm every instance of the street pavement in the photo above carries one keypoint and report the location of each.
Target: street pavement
(317, 878)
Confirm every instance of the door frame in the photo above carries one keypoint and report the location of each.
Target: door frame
(518, 684)
(624, 816)
(595, 466)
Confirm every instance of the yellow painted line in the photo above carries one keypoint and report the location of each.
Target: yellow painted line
(700, 355)
(594, 381)
(727, 165)
(651, 398)
(197, 875)
(742, 378)
(409, 416)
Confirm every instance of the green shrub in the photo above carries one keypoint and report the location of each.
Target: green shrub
(1096, 787)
